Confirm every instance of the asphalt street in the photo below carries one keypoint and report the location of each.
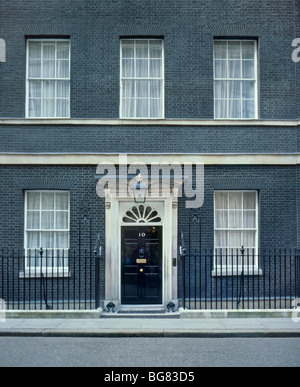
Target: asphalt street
(149, 352)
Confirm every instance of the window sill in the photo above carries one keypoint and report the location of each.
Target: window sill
(229, 271)
(38, 273)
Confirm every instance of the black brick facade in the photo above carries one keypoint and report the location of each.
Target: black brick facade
(188, 28)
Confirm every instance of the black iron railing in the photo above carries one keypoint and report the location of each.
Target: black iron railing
(241, 279)
(47, 279)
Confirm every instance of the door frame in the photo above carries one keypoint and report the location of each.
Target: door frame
(113, 214)
(144, 225)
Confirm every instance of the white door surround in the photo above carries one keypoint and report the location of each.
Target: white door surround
(115, 216)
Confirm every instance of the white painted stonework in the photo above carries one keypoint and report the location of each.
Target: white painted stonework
(115, 209)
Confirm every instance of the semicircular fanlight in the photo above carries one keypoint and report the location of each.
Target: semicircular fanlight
(141, 214)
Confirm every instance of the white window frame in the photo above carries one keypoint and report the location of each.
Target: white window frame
(55, 79)
(162, 79)
(255, 79)
(227, 267)
(53, 269)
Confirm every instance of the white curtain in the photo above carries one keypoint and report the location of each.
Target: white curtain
(48, 79)
(47, 227)
(142, 79)
(234, 79)
(235, 221)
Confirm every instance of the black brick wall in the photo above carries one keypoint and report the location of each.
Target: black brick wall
(188, 28)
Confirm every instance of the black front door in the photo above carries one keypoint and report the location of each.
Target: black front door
(141, 255)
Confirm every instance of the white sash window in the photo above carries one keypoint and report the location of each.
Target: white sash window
(235, 79)
(48, 79)
(142, 78)
(47, 226)
(236, 226)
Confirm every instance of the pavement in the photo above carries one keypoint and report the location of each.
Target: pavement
(180, 325)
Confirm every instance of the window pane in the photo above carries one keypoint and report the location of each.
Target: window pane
(33, 220)
(127, 49)
(155, 47)
(62, 220)
(248, 50)
(248, 90)
(220, 69)
(47, 240)
(35, 108)
(249, 199)
(155, 108)
(220, 50)
(142, 48)
(128, 89)
(235, 200)
(235, 219)
(234, 69)
(234, 89)
(248, 239)
(235, 239)
(142, 89)
(47, 200)
(128, 68)
(248, 109)
(49, 50)
(62, 50)
(155, 69)
(48, 108)
(62, 108)
(35, 68)
(62, 240)
(249, 219)
(33, 200)
(128, 108)
(221, 108)
(221, 219)
(62, 89)
(234, 50)
(33, 240)
(49, 89)
(47, 220)
(248, 69)
(62, 69)
(62, 201)
(48, 68)
(221, 89)
(221, 200)
(142, 68)
(142, 108)
(221, 238)
(155, 89)
(35, 89)
(234, 109)
(35, 50)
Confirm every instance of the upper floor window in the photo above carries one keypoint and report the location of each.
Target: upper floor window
(48, 79)
(142, 78)
(235, 79)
